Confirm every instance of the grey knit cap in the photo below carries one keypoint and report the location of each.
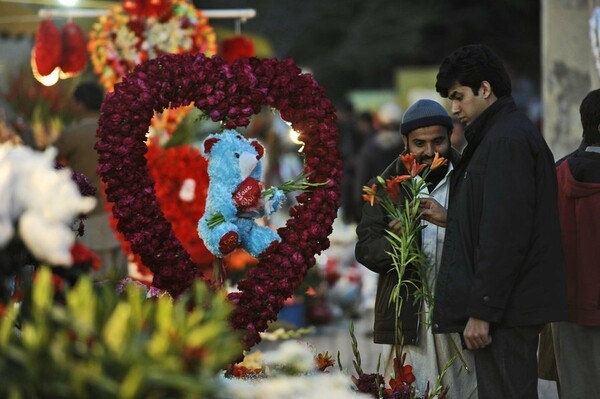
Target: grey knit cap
(425, 113)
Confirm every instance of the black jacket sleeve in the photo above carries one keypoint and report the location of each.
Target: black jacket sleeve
(373, 248)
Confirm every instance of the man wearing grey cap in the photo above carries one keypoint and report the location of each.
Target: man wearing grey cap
(426, 128)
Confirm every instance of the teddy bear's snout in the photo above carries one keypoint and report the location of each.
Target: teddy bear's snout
(248, 162)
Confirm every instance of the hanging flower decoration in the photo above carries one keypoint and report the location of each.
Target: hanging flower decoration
(236, 47)
(141, 30)
(60, 53)
(74, 49)
(230, 94)
(47, 49)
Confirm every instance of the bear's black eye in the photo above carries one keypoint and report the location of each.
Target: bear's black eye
(237, 155)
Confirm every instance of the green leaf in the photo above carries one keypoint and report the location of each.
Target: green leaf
(116, 330)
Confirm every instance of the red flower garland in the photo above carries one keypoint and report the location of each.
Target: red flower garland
(231, 94)
(172, 166)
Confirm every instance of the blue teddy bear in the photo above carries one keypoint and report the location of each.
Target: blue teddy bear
(235, 196)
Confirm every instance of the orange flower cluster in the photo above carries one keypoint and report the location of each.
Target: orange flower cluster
(393, 184)
(323, 361)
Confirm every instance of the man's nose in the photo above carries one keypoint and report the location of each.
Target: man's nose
(455, 107)
(429, 149)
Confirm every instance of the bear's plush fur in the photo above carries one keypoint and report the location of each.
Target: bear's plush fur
(235, 192)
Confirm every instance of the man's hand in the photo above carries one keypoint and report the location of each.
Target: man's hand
(395, 227)
(477, 333)
(433, 212)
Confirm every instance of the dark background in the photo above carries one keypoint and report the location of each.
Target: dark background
(357, 44)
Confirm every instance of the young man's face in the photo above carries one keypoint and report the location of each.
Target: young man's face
(466, 105)
(424, 142)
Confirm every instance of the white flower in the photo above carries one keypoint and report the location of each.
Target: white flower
(292, 357)
(186, 193)
(322, 385)
(6, 224)
(44, 201)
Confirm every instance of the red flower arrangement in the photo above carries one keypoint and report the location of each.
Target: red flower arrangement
(140, 30)
(181, 183)
(47, 49)
(65, 49)
(231, 94)
(236, 47)
(181, 194)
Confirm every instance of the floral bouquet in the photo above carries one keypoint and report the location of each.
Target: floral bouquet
(399, 384)
(400, 197)
(256, 195)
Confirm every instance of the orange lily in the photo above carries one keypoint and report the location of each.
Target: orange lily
(438, 161)
(400, 179)
(408, 160)
(392, 186)
(392, 189)
(416, 168)
(370, 194)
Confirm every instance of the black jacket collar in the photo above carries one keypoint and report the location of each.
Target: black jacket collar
(475, 132)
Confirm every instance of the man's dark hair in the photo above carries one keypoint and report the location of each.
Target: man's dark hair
(90, 94)
(590, 117)
(469, 66)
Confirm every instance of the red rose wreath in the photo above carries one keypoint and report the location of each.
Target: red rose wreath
(230, 94)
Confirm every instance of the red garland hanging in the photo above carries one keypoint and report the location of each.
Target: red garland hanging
(66, 49)
(47, 48)
(74, 49)
(236, 47)
(231, 94)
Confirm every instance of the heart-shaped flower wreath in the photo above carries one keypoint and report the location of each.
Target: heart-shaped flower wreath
(230, 94)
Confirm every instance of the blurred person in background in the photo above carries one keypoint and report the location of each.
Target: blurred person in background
(378, 152)
(577, 341)
(76, 149)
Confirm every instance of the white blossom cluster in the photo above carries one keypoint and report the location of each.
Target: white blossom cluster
(290, 373)
(323, 385)
(42, 201)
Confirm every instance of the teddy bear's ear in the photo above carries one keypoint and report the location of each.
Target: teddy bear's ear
(259, 148)
(208, 143)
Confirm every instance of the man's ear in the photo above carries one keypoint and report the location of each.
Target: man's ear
(486, 89)
(405, 141)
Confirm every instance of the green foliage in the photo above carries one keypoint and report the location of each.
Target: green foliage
(102, 345)
(187, 131)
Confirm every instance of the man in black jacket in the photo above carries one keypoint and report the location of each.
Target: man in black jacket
(426, 128)
(502, 272)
